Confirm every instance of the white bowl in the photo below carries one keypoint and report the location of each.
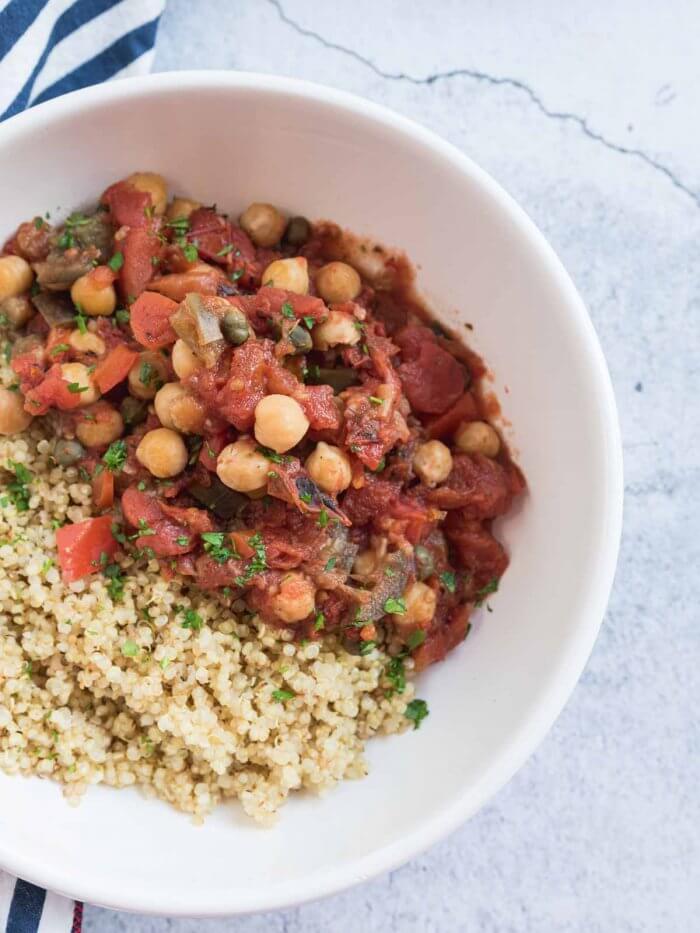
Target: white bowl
(234, 138)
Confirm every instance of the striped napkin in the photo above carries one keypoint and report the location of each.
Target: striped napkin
(47, 48)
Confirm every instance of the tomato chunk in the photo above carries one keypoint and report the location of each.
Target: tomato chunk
(81, 546)
(141, 249)
(115, 367)
(150, 320)
(128, 205)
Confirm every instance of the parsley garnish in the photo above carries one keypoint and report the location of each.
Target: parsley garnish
(226, 250)
(322, 518)
(416, 711)
(130, 649)
(144, 529)
(215, 547)
(115, 587)
(115, 456)
(76, 388)
(305, 497)
(415, 639)
(366, 647)
(179, 226)
(193, 620)
(38, 223)
(376, 401)
(319, 621)
(449, 581)
(122, 316)
(17, 490)
(282, 695)
(272, 455)
(183, 540)
(395, 606)
(258, 563)
(59, 348)
(236, 275)
(190, 252)
(309, 321)
(146, 372)
(81, 322)
(116, 262)
(287, 310)
(330, 564)
(491, 587)
(396, 674)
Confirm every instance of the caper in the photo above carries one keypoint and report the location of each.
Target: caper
(425, 565)
(298, 231)
(133, 410)
(301, 339)
(66, 452)
(234, 327)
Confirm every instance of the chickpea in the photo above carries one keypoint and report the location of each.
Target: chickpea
(295, 599)
(433, 462)
(77, 374)
(280, 422)
(337, 282)
(162, 452)
(263, 223)
(329, 467)
(365, 563)
(87, 342)
(420, 603)
(184, 360)
(290, 274)
(477, 437)
(242, 467)
(147, 375)
(15, 276)
(180, 208)
(338, 328)
(179, 410)
(18, 310)
(152, 184)
(100, 426)
(13, 417)
(93, 299)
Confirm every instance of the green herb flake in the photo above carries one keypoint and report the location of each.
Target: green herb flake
(449, 581)
(144, 529)
(38, 223)
(281, 696)
(225, 250)
(47, 565)
(415, 639)
(122, 316)
(81, 322)
(309, 321)
(116, 262)
(17, 490)
(146, 372)
(115, 456)
(130, 649)
(258, 563)
(396, 674)
(491, 587)
(190, 252)
(76, 388)
(272, 455)
(306, 497)
(179, 225)
(192, 620)
(115, 586)
(183, 541)
(287, 310)
(215, 547)
(416, 711)
(322, 518)
(396, 607)
(367, 647)
(330, 564)
(236, 275)
(319, 621)
(376, 401)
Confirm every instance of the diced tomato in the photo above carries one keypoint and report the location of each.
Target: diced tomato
(479, 553)
(81, 546)
(433, 381)
(140, 248)
(440, 642)
(102, 276)
(169, 530)
(477, 484)
(128, 206)
(374, 498)
(52, 392)
(211, 448)
(246, 385)
(103, 490)
(465, 409)
(203, 279)
(114, 368)
(240, 540)
(214, 235)
(150, 320)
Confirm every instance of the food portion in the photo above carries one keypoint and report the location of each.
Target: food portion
(248, 489)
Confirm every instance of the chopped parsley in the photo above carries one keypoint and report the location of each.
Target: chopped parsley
(190, 252)
(38, 223)
(415, 639)
(144, 529)
(146, 372)
(116, 262)
(395, 606)
(272, 455)
(396, 674)
(115, 587)
(47, 565)
(115, 456)
(225, 250)
(81, 322)
(416, 711)
(215, 547)
(59, 348)
(75, 388)
(380, 466)
(118, 534)
(17, 490)
(375, 400)
(130, 649)
(322, 518)
(179, 225)
(236, 275)
(491, 587)
(319, 621)
(258, 563)
(281, 696)
(449, 581)
(287, 310)
(183, 541)
(367, 647)
(330, 564)
(122, 316)
(66, 240)
(305, 497)
(309, 321)
(192, 620)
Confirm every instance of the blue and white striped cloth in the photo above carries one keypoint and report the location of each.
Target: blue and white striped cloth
(47, 48)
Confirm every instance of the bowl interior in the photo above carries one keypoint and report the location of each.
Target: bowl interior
(235, 139)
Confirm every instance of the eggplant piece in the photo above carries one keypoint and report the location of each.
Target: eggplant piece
(56, 310)
(394, 573)
(198, 322)
(225, 503)
(94, 231)
(339, 549)
(60, 269)
(288, 481)
(340, 378)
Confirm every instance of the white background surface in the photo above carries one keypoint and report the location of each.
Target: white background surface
(588, 115)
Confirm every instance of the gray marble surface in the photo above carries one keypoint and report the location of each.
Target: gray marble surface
(588, 114)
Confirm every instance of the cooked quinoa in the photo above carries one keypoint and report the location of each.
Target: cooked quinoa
(95, 690)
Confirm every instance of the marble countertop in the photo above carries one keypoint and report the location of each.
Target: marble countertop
(588, 115)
